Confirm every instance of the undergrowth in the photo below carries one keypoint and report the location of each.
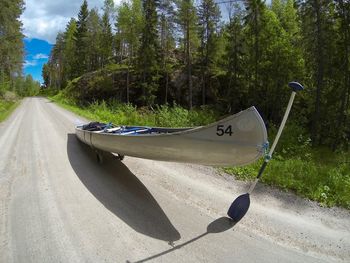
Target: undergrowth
(127, 114)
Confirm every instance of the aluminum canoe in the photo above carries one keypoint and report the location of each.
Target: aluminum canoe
(237, 140)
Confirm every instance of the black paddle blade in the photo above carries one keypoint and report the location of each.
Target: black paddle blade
(239, 207)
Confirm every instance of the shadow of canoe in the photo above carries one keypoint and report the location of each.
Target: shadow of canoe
(120, 191)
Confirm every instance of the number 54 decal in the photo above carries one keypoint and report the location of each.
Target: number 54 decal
(222, 130)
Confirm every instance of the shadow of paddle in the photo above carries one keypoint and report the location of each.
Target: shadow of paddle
(220, 225)
(120, 191)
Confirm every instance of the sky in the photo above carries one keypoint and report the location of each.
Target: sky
(42, 20)
(36, 55)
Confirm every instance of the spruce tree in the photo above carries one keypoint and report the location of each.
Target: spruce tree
(69, 51)
(94, 35)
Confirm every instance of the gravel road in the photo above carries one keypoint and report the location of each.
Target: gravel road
(57, 204)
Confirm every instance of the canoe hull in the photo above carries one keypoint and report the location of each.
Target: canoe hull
(236, 140)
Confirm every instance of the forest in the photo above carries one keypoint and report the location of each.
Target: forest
(224, 55)
(13, 83)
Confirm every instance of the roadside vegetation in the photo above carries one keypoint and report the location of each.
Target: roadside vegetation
(8, 102)
(316, 173)
(116, 112)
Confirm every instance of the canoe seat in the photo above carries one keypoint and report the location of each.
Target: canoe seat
(111, 130)
(135, 131)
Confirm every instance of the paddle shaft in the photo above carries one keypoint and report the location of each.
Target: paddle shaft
(272, 149)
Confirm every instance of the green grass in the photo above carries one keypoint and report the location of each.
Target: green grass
(322, 175)
(317, 174)
(6, 108)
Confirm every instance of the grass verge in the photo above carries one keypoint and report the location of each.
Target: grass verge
(319, 175)
(6, 108)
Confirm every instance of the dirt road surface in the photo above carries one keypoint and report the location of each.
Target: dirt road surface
(57, 204)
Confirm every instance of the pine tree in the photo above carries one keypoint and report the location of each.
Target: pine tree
(234, 64)
(107, 38)
(167, 41)
(341, 125)
(46, 75)
(209, 17)
(149, 53)
(318, 38)
(11, 44)
(82, 45)
(253, 22)
(188, 22)
(56, 62)
(129, 24)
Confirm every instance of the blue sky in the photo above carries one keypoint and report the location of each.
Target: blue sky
(42, 20)
(36, 55)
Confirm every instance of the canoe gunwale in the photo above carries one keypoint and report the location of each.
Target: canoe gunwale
(199, 145)
(187, 130)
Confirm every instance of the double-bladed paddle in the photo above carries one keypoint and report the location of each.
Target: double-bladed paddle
(241, 204)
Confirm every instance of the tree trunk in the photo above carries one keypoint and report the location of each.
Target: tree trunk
(127, 86)
(203, 89)
(341, 120)
(166, 86)
(256, 47)
(189, 66)
(319, 77)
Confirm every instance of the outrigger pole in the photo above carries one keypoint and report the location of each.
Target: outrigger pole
(241, 204)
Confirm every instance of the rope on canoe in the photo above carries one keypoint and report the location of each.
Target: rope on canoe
(108, 126)
(266, 148)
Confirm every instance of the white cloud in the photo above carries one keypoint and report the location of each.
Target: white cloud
(43, 19)
(40, 56)
(30, 63)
